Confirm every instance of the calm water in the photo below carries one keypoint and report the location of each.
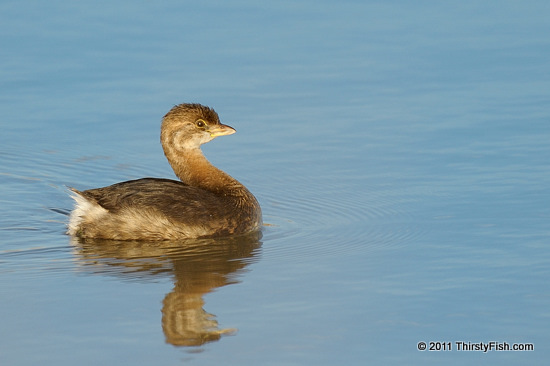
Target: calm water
(400, 153)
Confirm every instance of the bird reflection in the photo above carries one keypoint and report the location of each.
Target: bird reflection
(197, 266)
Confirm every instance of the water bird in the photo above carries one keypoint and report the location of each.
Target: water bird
(206, 202)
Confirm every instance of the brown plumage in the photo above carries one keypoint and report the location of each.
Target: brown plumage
(206, 202)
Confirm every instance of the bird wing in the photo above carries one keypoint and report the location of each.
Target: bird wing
(173, 198)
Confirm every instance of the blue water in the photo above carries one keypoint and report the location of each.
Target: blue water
(400, 152)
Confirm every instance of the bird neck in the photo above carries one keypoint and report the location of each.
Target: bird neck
(192, 167)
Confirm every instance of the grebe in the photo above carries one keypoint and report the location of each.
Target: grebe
(206, 202)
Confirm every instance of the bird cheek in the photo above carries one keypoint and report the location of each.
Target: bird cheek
(178, 141)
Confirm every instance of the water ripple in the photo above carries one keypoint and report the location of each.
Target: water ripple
(324, 217)
(312, 224)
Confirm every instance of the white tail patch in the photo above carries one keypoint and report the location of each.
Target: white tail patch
(84, 210)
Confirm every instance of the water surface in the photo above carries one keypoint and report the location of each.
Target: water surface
(399, 151)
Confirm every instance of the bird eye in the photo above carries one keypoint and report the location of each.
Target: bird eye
(200, 123)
